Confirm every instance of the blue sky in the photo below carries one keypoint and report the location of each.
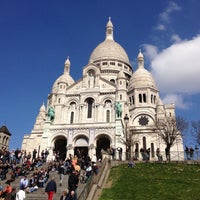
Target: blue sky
(37, 36)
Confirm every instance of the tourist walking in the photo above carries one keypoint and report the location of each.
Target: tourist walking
(51, 188)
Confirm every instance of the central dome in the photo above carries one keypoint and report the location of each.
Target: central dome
(109, 49)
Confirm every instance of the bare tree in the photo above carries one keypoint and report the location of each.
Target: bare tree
(170, 129)
(196, 130)
(129, 141)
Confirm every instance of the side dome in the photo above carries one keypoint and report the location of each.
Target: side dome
(142, 78)
(65, 79)
(109, 49)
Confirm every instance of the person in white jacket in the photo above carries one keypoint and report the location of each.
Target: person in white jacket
(21, 195)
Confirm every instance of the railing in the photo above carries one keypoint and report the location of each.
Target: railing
(174, 156)
(94, 179)
(83, 195)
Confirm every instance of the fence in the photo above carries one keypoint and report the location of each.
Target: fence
(174, 156)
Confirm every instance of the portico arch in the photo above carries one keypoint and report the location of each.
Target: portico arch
(103, 143)
(81, 146)
(60, 143)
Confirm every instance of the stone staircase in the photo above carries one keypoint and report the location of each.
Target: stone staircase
(40, 193)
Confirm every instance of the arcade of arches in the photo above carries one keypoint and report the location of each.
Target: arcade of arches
(81, 146)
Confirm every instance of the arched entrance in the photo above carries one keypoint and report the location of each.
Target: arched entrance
(102, 143)
(60, 147)
(81, 146)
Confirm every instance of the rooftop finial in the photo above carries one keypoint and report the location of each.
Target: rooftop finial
(67, 65)
(140, 59)
(109, 30)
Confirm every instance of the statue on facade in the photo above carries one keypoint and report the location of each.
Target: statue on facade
(91, 80)
(51, 113)
(118, 107)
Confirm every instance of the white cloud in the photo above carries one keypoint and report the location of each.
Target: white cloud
(175, 38)
(172, 6)
(164, 17)
(176, 69)
(177, 100)
(151, 51)
(160, 27)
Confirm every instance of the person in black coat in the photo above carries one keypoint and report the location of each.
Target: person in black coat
(72, 196)
(51, 188)
(73, 181)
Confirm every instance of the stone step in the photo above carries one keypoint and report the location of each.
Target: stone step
(40, 193)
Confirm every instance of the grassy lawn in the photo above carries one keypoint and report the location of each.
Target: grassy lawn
(153, 181)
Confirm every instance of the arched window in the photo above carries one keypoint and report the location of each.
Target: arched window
(72, 118)
(120, 97)
(72, 105)
(112, 81)
(89, 102)
(107, 115)
(144, 98)
(108, 103)
(140, 98)
(152, 98)
(152, 150)
(4, 139)
(130, 100)
(133, 100)
(137, 150)
(144, 143)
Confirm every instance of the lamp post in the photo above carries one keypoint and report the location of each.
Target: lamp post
(197, 151)
(126, 120)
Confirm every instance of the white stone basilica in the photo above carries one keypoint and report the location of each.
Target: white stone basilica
(84, 113)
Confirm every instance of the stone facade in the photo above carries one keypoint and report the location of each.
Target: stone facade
(4, 137)
(88, 115)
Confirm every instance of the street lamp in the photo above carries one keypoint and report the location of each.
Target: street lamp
(197, 151)
(126, 120)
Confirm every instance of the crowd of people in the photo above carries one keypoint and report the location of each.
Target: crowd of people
(18, 164)
(28, 170)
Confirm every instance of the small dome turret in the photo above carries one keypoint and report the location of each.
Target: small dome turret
(65, 78)
(141, 77)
